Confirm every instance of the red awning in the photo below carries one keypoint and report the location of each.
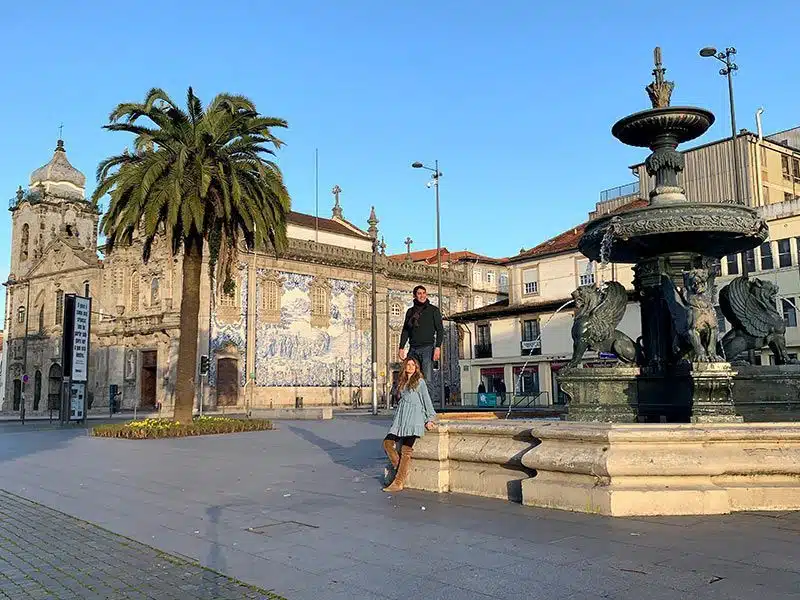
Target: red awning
(492, 371)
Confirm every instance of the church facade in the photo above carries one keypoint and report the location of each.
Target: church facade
(297, 327)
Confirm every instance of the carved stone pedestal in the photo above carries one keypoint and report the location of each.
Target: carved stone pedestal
(712, 393)
(607, 394)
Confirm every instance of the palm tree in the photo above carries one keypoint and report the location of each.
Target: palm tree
(196, 176)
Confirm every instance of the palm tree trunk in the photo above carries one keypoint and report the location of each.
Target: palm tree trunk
(187, 348)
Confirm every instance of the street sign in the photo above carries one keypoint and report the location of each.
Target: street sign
(80, 339)
(487, 400)
(75, 356)
(608, 355)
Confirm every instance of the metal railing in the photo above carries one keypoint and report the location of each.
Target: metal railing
(619, 191)
(492, 400)
(530, 347)
(483, 351)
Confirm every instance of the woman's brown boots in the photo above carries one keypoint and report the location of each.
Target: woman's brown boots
(402, 470)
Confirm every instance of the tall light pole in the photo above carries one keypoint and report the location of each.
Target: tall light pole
(727, 71)
(435, 180)
(373, 231)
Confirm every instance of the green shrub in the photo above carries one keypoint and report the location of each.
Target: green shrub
(167, 428)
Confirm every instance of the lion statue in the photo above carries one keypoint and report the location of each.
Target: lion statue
(693, 317)
(597, 314)
(749, 305)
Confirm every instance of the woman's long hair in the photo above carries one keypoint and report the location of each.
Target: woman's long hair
(411, 382)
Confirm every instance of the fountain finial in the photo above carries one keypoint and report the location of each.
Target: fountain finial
(659, 90)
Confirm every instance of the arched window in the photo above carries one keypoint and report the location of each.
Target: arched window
(23, 245)
(155, 296)
(86, 288)
(134, 291)
(59, 307)
(41, 319)
(21, 314)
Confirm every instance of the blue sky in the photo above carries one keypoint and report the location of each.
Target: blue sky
(516, 100)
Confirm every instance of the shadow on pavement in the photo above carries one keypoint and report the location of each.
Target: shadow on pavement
(364, 454)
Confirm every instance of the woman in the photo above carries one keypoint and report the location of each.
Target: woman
(414, 415)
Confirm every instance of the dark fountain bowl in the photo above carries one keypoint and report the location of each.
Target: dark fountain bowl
(713, 230)
(680, 123)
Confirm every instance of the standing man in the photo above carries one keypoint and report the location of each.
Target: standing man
(424, 331)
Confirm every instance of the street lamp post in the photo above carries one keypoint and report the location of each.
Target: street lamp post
(727, 71)
(435, 180)
(25, 352)
(373, 231)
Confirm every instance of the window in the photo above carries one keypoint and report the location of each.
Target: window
(750, 257)
(319, 301)
(134, 291)
(59, 307)
(489, 276)
(767, 263)
(269, 296)
(585, 272)
(716, 267)
(396, 309)
(733, 264)
(530, 281)
(531, 342)
(787, 196)
(394, 342)
(21, 314)
(785, 166)
(720, 320)
(23, 246)
(530, 330)
(784, 253)
(503, 283)
(789, 312)
(477, 302)
(155, 296)
(796, 168)
(363, 307)
(765, 193)
(477, 276)
(483, 335)
(526, 380)
(229, 299)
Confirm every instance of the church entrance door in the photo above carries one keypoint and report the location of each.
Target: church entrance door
(227, 381)
(149, 372)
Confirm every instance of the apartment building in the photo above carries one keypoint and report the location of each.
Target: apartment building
(518, 344)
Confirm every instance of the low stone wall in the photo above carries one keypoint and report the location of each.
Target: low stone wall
(616, 469)
(670, 469)
(767, 393)
(479, 458)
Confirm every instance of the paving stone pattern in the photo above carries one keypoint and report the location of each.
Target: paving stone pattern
(45, 554)
(299, 510)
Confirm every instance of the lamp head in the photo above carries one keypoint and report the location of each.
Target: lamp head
(416, 165)
(708, 52)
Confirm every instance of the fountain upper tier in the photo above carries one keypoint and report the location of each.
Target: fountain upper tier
(670, 224)
(707, 229)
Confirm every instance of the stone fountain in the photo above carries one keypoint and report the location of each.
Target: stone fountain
(676, 372)
(658, 434)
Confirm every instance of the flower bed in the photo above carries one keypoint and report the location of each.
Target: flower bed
(167, 428)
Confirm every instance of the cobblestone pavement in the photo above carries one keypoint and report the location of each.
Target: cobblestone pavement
(45, 554)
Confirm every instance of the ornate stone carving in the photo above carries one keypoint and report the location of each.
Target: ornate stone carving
(598, 312)
(693, 317)
(664, 157)
(750, 306)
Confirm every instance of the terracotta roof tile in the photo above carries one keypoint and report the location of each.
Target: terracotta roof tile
(329, 225)
(568, 241)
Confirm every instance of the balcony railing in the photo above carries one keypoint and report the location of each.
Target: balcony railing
(530, 347)
(619, 191)
(483, 351)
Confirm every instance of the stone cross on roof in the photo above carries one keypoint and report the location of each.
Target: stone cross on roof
(337, 209)
(408, 243)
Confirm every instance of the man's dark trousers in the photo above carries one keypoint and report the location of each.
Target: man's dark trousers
(424, 355)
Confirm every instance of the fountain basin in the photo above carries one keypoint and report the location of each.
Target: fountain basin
(679, 123)
(707, 229)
